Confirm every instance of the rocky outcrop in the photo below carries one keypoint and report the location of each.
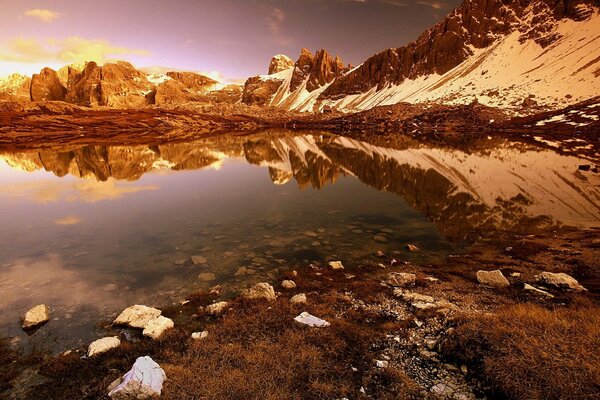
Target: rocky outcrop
(15, 88)
(280, 62)
(46, 86)
(84, 86)
(123, 86)
(317, 70)
(260, 90)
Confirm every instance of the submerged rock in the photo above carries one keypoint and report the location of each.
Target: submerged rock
(144, 381)
(207, 277)
(401, 279)
(199, 260)
(36, 316)
(560, 281)
(156, 327)
(103, 345)
(492, 279)
(310, 320)
(259, 291)
(137, 316)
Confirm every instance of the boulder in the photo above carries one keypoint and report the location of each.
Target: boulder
(401, 279)
(492, 279)
(336, 265)
(36, 316)
(259, 291)
(288, 284)
(560, 281)
(217, 308)
(310, 320)
(103, 345)
(299, 299)
(157, 326)
(144, 381)
(137, 316)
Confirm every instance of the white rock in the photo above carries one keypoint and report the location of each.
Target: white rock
(298, 299)
(137, 316)
(144, 381)
(157, 326)
(103, 345)
(335, 265)
(259, 291)
(287, 284)
(200, 335)
(36, 316)
(401, 279)
(310, 320)
(560, 280)
(217, 308)
(381, 363)
(534, 290)
(492, 278)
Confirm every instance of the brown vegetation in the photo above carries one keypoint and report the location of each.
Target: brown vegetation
(526, 351)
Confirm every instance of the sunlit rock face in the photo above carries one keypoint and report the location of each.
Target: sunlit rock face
(15, 87)
(280, 62)
(47, 86)
(517, 188)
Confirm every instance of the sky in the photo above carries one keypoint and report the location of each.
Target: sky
(226, 39)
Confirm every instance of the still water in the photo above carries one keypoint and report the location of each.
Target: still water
(91, 230)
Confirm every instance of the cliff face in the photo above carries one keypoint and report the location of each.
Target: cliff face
(47, 86)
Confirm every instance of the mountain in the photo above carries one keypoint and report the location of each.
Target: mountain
(116, 85)
(525, 56)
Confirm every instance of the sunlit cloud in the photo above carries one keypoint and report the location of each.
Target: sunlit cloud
(42, 14)
(438, 5)
(68, 220)
(275, 18)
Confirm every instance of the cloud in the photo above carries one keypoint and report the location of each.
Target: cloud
(438, 5)
(68, 220)
(72, 49)
(42, 14)
(275, 17)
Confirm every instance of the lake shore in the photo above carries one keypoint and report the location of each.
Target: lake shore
(443, 335)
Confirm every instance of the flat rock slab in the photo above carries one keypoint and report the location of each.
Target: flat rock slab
(144, 381)
(137, 316)
(36, 316)
(310, 320)
(560, 281)
(103, 345)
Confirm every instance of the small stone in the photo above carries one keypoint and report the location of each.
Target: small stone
(200, 335)
(156, 327)
(260, 291)
(217, 308)
(379, 254)
(412, 248)
(401, 279)
(143, 382)
(380, 238)
(244, 271)
(36, 316)
(199, 260)
(288, 284)
(492, 279)
(207, 276)
(299, 299)
(103, 345)
(560, 281)
(310, 320)
(137, 316)
(336, 265)
(381, 363)
(534, 290)
(310, 234)
(442, 390)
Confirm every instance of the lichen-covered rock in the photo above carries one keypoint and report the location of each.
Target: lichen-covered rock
(560, 281)
(260, 291)
(36, 316)
(156, 327)
(492, 279)
(137, 316)
(143, 382)
(103, 345)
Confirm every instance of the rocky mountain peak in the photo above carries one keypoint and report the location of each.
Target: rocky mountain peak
(317, 70)
(280, 62)
(47, 86)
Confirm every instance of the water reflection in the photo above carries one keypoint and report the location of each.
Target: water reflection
(113, 226)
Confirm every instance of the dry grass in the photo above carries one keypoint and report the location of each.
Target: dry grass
(527, 351)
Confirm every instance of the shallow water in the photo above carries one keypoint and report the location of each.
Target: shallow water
(92, 230)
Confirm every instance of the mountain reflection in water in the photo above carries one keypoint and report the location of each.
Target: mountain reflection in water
(120, 224)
